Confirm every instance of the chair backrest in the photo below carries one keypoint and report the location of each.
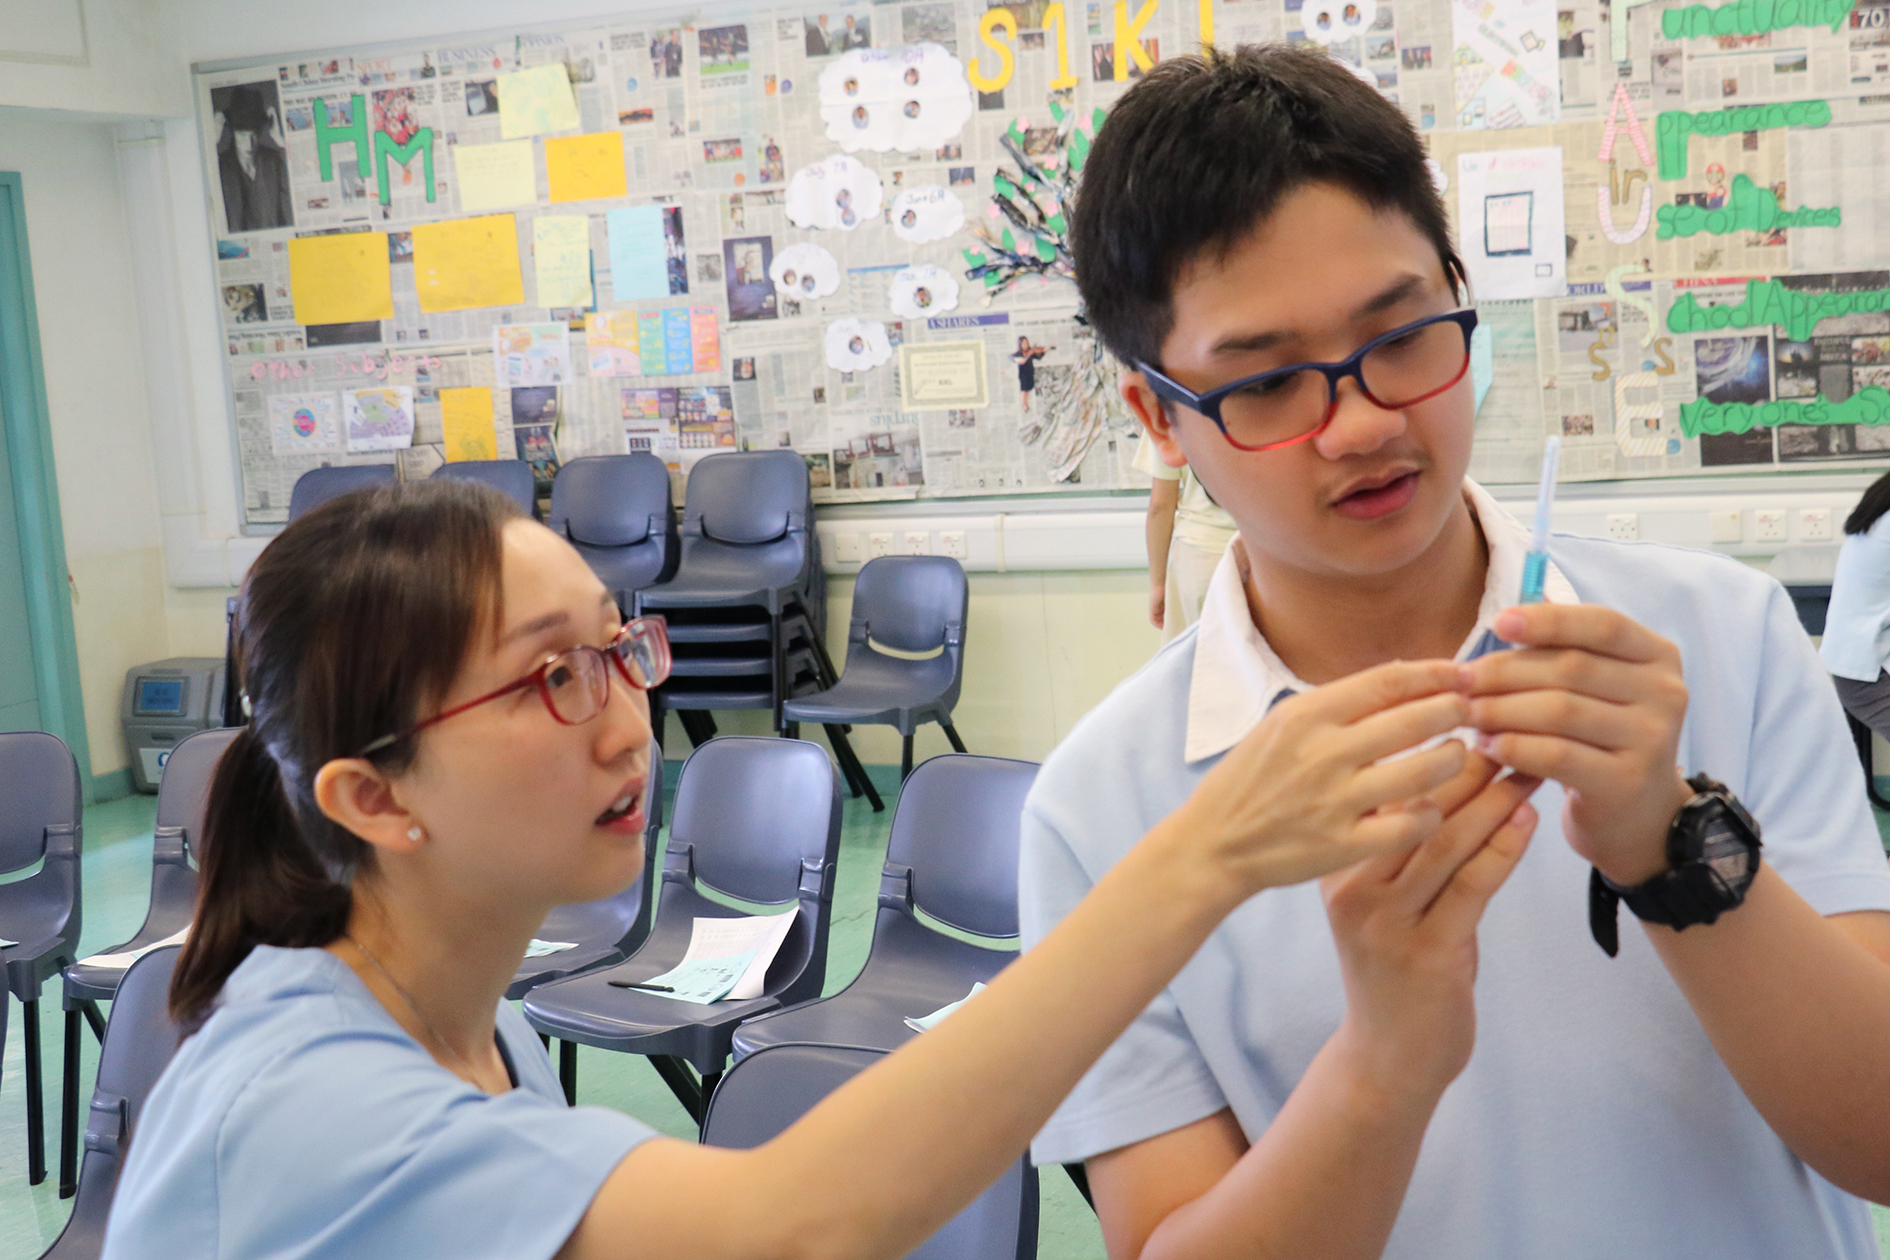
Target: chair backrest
(183, 796)
(318, 485)
(611, 500)
(769, 1090)
(747, 497)
(139, 1042)
(911, 603)
(757, 819)
(512, 477)
(953, 852)
(40, 801)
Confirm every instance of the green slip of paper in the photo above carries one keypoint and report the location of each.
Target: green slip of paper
(703, 980)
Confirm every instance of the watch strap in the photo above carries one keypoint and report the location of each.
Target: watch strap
(1690, 892)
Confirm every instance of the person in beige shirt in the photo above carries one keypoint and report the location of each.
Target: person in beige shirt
(1187, 532)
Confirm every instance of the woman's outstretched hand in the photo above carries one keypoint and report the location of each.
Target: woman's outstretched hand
(1309, 791)
(1406, 928)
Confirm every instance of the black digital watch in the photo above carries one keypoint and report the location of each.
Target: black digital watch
(1713, 853)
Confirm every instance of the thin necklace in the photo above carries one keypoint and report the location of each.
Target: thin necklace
(412, 1006)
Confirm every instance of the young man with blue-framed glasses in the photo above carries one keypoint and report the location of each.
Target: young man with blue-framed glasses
(1259, 241)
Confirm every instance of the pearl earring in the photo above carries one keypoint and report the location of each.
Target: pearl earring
(414, 833)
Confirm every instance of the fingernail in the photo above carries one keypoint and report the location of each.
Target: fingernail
(1509, 623)
(1523, 815)
(1466, 679)
(1486, 743)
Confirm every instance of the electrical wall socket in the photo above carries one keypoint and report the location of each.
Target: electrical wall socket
(879, 543)
(848, 549)
(918, 542)
(1814, 524)
(1768, 525)
(1728, 527)
(1624, 526)
(952, 542)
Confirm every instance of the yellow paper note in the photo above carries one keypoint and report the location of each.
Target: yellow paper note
(495, 175)
(533, 102)
(340, 279)
(466, 418)
(561, 254)
(585, 168)
(463, 263)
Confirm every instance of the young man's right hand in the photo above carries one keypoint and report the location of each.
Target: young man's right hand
(1406, 930)
(1308, 790)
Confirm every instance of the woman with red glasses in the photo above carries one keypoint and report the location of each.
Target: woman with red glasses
(449, 735)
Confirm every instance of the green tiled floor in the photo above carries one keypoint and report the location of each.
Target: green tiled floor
(117, 872)
(117, 885)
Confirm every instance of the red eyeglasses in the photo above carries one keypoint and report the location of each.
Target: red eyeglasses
(575, 683)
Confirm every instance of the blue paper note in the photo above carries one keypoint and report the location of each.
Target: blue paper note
(639, 262)
(703, 980)
(679, 358)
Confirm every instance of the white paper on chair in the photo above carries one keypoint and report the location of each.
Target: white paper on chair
(118, 962)
(538, 948)
(727, 958)
(6, 944)
(926, 1023)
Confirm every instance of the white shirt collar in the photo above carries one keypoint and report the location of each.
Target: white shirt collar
(1238, 676)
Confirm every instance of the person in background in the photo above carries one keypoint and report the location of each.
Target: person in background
(1857, 624)
(1187, 532)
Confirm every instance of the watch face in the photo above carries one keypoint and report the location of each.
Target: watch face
(1727, 851)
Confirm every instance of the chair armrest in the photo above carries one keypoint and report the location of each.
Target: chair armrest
(109, 1123)
(895, 888)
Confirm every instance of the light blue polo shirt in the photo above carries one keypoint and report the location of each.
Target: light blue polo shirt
(1594, 1121)
(303, 1122)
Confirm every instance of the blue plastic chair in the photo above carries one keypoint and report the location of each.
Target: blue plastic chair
(756, 820)
(39, 818)
(911, 604)
(139, 1043)
(510, 477)
(182, 798)
(952, 862)
(318, 485)
(766, 1092)
(600, 932)
(615, 510)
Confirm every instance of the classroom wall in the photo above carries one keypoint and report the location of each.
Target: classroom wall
(91, 348)
(131, 69)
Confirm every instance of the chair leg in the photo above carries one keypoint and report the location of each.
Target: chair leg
(905, 758)
(35, 1105)
(567, 1070)
(792, 730)
(850, 765)
(709, 1081)
(951, 733)
(682, 1083)
(657, 715)
(69, 1112)
(1861, 735)
(546, 1039)
(1079, 1175)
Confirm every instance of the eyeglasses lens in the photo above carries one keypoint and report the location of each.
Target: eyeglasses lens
(644, 651)
(576, 685)
(1396, 373)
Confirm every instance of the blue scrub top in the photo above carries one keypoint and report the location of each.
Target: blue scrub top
(302, 1121)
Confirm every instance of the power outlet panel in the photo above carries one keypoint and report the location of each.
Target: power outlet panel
(1814, 525)
(1728, 527)
(1769, 525)
(879, 543)
(1624, 526)
(953, 543)
(918, 542)
(848, 549)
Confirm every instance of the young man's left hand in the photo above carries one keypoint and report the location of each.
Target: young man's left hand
(1593, 700)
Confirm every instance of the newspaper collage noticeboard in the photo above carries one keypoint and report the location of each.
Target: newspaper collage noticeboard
(841, 229)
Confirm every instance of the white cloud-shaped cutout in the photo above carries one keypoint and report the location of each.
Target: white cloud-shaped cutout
(837, 194)
(804, 271)
(885, 99)
(918, 292)
(926, 214)
(855, 345)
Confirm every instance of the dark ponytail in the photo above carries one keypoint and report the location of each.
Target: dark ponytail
(1875, 503)
(352, 621)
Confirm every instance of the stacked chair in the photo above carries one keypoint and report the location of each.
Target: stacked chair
(40, 822)
(139, 1043)
(915, 606)
(615, 509)
(765, 1093)
(177, 843)
(747, 607)
(757, 821)
(510, 477)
